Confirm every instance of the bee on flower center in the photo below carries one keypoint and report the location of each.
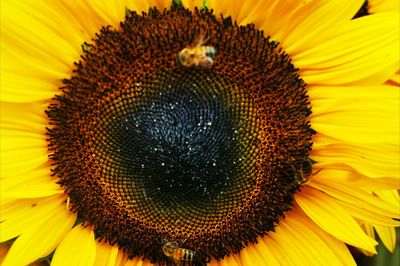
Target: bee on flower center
(303, 175)
(199, 55)
(181, 256)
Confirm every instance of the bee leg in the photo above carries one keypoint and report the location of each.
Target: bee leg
(206, 62)
(210, 61)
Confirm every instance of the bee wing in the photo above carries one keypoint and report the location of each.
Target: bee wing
(202, 40)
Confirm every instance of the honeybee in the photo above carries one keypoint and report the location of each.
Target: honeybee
(198, 56)
(302, 176)
(181, 256)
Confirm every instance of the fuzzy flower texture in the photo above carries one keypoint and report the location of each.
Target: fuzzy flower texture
(192, 132)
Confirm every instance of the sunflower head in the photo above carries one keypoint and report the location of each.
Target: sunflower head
(149, 148)
(183, 136)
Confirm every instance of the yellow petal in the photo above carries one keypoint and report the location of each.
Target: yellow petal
(360, 126)
(11, 207)
(31, 66)
(340, 250)
(263, 250)
(77, 248)
(16, 162)
(122, 259)
(294, 254)
(278, 251)
(29, 187)
(314, 245)
(160, 4)
(103, 12)
(191, 4)
(280, 18)
(41, 241)
(224, 7)
(370, 160)
(233, 259)
(332, 218)
(371, 63)
(248, 11)
(394, 80)
(23, 140)
(139, 262)
(323, 93)
(367, 216)
(375, 71)
(346, 47)
(17, 89)
(357, 197)
(105, 254)
(44, 187)
(148, 263)
(391, 196)
(369, 230)
(324, 98)
(388, 236)
(38, 183)
(94, 14)
(214, 262)
(250, 256)
(275, 18)
(27, 216)
(364, 38)
(366, 120)
(26, 32)
(29, 118)
(321, 24)
(347, 176)
(378, 6)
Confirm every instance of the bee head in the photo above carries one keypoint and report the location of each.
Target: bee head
(168, 247)
(184, 56)
(306, 167)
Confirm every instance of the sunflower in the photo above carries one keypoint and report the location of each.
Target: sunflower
(263, 151)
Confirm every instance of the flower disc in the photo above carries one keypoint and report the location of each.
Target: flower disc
(150, 150)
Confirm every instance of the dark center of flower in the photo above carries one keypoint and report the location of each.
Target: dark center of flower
(151, 150)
